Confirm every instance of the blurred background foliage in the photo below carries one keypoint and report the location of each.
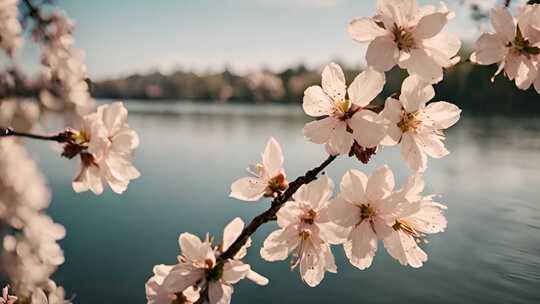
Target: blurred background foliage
(467, 85)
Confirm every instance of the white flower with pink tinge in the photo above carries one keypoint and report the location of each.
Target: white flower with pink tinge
(268, 178)
(345, 117)
(364, 207)
(417, 126)
(417, 216)
(156, 293)
(515, 47)
(110, 144)
(410, 36)
(306, 232)
(201, 271)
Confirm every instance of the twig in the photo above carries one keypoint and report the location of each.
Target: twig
(62, 137)
(277, 203)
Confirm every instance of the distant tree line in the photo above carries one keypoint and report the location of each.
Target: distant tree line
(466, 85)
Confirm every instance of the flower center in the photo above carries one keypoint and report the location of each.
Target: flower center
(309, 217)
(403, 38)
(366, 211)
(276, 184)
(343, 106)
(409, 122)
(522, 46)
(304, 235)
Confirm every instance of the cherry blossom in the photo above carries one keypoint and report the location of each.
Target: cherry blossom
(417, 126)
(417, 216)
(6, 297)
(514, 46)
(306, 232)
(110, 144)
(156, 293)
(345, 116)
(201, 270)
(366, 209)
(410, 36)
(10, 27)
(268, 177)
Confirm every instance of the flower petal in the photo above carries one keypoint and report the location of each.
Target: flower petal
(503, 23)
(443, 114)
(333, 82)
(353, 187)
(320, 131)
(490, 49)
(411, 151)
(316, 193)
(365, 30)
(368, 128)
(365, 87)
(272, 158)
(380, 184)
(316, 103)
(248, 189)
(362, 246)
(382, 54)
(423, 65)
(415, 92)
(430, 25)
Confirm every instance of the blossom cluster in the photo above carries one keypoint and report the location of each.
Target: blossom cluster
(514, 46)
(65, 69)
(200, 273)
(349, 121)
(32, 253)
(101, 138)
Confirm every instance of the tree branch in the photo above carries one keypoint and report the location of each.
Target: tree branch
(277, 203)
(62, 137)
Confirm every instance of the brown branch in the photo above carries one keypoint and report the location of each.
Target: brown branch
(62, 137)
(277, 203)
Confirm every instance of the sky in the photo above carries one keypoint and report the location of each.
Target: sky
(121, 37)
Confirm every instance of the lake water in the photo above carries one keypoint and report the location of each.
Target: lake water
(190, 154)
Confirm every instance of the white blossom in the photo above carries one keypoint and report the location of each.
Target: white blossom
(514, 46)
(410, 36)
(417, 216)
(365, 208)
(306, 232)
(417, 126)
(345, 118)
(111, 143)
(199, 270)
(268, 177)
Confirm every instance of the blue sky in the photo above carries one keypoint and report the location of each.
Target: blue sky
(125, 36)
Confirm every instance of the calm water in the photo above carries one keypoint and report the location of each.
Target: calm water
(190, 154)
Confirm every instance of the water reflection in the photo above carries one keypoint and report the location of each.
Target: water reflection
(490, 253)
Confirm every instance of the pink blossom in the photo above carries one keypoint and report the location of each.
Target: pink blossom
(306, 232)
(417, 126)
(410, 36)
(514, 46)
(268, 177)
(345, 118)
